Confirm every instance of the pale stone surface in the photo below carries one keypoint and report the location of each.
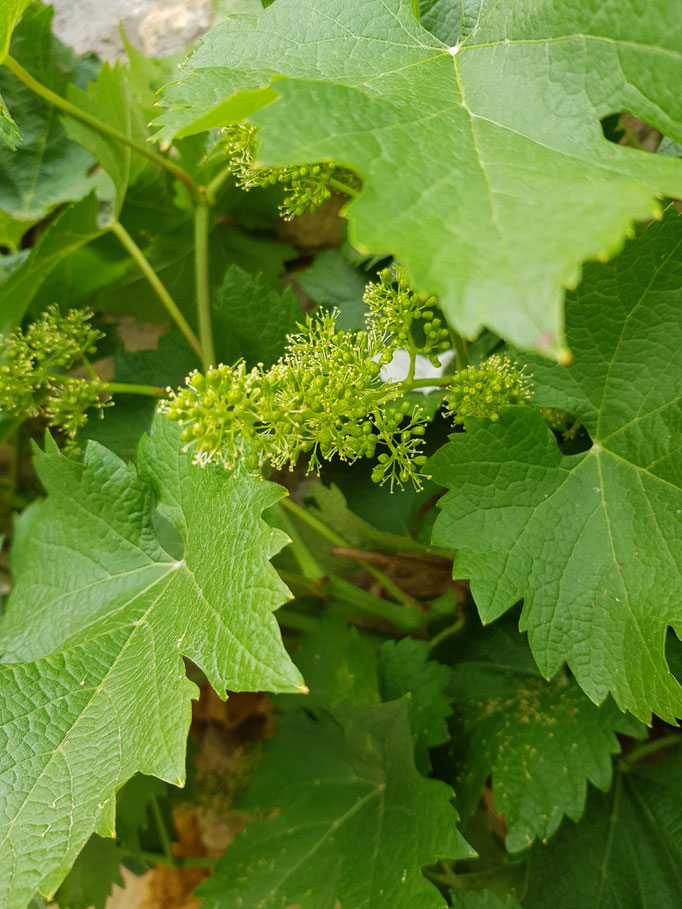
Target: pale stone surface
(157, 27)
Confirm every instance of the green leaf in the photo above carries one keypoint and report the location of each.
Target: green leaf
(332, 280)
(252, 319)
(109, 99)
(97, 626)
(509, 184)
(171, 256)
(92, 877)
(9, 131)
(450, 21)
(588, 540)
(404, 667)
(482, 899)
(540, 742)
(10, 13)
(47, 168)
(339, 665)
(626, 853)
(70, 230)
(339, 793)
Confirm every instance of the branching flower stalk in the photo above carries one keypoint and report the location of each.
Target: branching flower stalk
(33, 366)
(306, 187)
(326, 397)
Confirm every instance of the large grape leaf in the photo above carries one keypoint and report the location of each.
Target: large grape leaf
(485, 168)
(590, 541)
(47, 168)
(350, 821)
(111, 592)
(626, 853)
(540, 742)
(405, 668)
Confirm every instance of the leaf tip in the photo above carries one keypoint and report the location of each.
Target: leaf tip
(303, 689)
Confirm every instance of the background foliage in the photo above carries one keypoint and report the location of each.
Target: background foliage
(431, 227)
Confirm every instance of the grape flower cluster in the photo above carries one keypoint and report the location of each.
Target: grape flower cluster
(324, 399)
(306, 187)
(406, 319)
(32, 366)
(482, 391)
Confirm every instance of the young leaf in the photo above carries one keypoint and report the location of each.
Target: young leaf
(110, 100)
(353, 821)
(10, 13)
(339, 665)
(97, 624)
(47, 168)
(252, 319)
(9, 131)
(540, 742)
(588, 540)
(624, 854)
(509, 183)
(404, 668)
(71, 229)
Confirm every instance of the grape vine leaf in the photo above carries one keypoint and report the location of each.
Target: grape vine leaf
(404, 667)
(47, 168)
(482, 899)
(252, 319)
(541, 742)
(10, 13)
(627, 847)
(343, 789)
(339, 665)
(90, 881)
(589, 540)
(75, 226)
(109, 98)
(97, 625)
(9, 131)
(509, 184)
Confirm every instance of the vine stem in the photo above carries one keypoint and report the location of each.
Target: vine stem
(438, 382)
(72, 110)
(389, 586)
(202, 226)
(342, 187)
(161, 830)
(178, 861)
(461, 353)
(118, 388)
(159, 289)
(212, 188)
(125, 388)
(666, 741)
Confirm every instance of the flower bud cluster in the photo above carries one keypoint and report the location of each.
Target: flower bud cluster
(306, 187)
(323, 399)
(407, 319)
(31, 361)
(482, 391)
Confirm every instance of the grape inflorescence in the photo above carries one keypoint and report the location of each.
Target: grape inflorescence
(326, 398)
(32, 363)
